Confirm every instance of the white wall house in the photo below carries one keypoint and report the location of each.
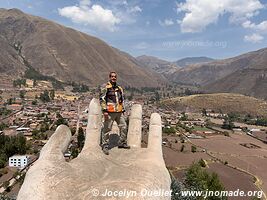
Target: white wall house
(19, 161)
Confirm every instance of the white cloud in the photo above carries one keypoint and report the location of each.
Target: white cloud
(134, 9)
(126, 11)
(93, 15)
(261, 27)
(248, 24)
(201, 13)
(254, 38)
(166, 22)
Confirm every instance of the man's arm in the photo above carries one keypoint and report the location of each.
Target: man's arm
(102, 98)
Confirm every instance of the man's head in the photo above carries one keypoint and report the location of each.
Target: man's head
(113, 77)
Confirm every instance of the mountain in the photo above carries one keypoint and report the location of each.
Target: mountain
(251, 80)
(203, 74)
(64, 53)
(192, 60)
(218, 102)
(244, 74)
(156, 64)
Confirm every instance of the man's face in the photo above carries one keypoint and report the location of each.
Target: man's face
(113, 78)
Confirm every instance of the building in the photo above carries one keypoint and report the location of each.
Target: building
(23, 130)
(29, 83)
(20, 161)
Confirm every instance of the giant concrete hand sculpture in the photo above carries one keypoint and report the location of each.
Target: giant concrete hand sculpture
(138, 173)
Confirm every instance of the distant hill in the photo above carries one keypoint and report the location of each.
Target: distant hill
(244, 74)
(64, 53)
(192, 60)
(225, 102)
(251, 80)
(156, 64)
(165, 67)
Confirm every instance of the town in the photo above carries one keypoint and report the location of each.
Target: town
(30, 115)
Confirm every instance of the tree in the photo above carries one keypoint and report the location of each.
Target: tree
(202, 163)
(204, 112)
(10, 146)
(45, 96)
(130, 98)
(261, 122)
(19, 82)
(80, 138)
(79, 87)
(193, 149)
(2, 163)
(44, 127)
(225, 133)
(214, 183)
(228, 124)
(2, 126)
(35, 133)
(10, 101)
(22, 94)
(52, 94)
(177, 188)
(6, 185)
(34, 102)
(199, 179)
(157, 97)
(182, 148)
(233, 116)
(73, 130)
(60, 120)
(184, 117)
(16, 174)
(169, 130)
(34, 83)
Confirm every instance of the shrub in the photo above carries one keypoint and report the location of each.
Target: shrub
(182, 148)
(202, 163)
(193, 149)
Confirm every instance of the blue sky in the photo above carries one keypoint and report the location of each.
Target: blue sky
(163, 28)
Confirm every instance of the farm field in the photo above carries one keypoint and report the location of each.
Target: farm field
(250, 160)
(182, 159)
(239, 160)
(233, 179)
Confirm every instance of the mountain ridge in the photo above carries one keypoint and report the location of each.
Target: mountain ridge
(193, 60)
(69, 55)
(244, 74)
(157, 64)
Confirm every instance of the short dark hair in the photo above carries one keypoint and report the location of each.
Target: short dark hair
(112, 73)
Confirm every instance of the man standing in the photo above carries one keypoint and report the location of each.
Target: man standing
(112, 104)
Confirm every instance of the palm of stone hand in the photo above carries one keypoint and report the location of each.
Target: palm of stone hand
(137, 173)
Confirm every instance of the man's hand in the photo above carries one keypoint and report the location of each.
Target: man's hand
(138, 173)
(106, 115)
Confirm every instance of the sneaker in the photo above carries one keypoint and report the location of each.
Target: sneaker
(105, 149)
(123, 146)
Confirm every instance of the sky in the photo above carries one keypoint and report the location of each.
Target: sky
(167, 29)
